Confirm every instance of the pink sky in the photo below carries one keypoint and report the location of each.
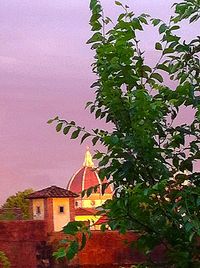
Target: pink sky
(45, 71)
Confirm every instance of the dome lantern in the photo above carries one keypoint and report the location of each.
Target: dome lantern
(88, 159)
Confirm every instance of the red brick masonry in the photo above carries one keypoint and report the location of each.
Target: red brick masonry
(21, 240)
(104, 250)
(18, 239)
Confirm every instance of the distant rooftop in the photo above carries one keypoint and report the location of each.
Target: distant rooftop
(102, 220)
(85, 211)
(52, 191)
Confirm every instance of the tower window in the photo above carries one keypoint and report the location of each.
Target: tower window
(76, 203)
(61, 209)
(38, 210)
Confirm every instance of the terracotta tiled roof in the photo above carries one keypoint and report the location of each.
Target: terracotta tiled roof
(53, 191)
(102, 220)
(85, 211)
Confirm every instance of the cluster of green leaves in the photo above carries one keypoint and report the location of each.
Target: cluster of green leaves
(19, 200)
(147, 146)
(166, 214)
(77, 131)
(188, 9)
(80, 231)
(4, 260)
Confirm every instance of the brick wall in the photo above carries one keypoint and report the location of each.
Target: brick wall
(28, 245)
(19, 240)
(72, 209)
(48, 213)
(13, 213)
(109, 249)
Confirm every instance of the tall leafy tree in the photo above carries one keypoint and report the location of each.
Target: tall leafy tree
(19, 200)
(149, 156)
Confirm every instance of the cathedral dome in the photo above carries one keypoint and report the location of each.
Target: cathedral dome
(86, 177)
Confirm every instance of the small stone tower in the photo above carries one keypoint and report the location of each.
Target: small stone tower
(55, 205)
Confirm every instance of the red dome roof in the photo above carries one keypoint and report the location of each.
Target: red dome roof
(85, 177)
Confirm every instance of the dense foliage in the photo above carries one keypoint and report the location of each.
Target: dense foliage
(149, 156)
(19, 201)
(4, 260)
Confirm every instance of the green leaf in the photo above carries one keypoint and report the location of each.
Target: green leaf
(162, 28)
(96, 187)
(88, 104)
(95, 38)
(103, 188)
(186, 165)
(71, 228)
(72, 250)
(118, 3)
(194, 18)
(189, 226)
(168, 50)
(95, 84)
(86, 135)
(146, 191)
(92, 108)
(158, 46)
(89, 191)
(93, 3)
(175, 27)
(96, 26)
(83, 193)
(143, 20)
(157, 77)
(176, 161)
(136, 24)
(121, 16)
(60, 253)
(114, 139)
(66, 130)
(104, 161)
(83, 241)
(95, 45)
(50, 121)
(64, 241)
(191, 236)
(198, 201)
(163, 67)
(94, 140)
(146, 68)
(98, 113)
(98, 155)
(59, 127)
(75, 134)
(72, 123)
(156, 21)
(103, 227)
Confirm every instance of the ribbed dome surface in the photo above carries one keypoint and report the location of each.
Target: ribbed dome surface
(85, 177)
